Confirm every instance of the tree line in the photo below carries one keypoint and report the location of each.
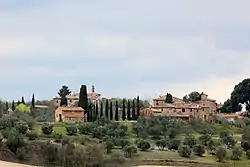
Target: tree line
(109, 108)
(130, 109)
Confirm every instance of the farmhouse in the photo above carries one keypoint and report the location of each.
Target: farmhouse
(69, 114)
(202, 109)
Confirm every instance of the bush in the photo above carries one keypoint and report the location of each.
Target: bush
(50, 154)
(248, 154)
(15, 141)
(86, 128)
(190, 141)
(174, 144)
(109, 146)
(129, 151)
(6, 133)
(204, 139)
(245, 145)
(143, 145)
(22, 128)
(32, 135)
(161, 144)
(71, 130)
(199, 149)
(21, 154)
(184, 151)
(236, 153)
(47, 129)
(221, 154)
(58, 137)
(211, 146)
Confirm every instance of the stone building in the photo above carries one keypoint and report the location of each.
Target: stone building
(202, 109)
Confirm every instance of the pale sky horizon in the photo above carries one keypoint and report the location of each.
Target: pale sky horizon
(125, 48)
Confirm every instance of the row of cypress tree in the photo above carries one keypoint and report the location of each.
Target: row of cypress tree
(130, 109)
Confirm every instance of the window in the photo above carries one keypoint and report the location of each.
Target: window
(70, 101)
(157, 103)
(183, 110)
(57, 101)
(161, 109)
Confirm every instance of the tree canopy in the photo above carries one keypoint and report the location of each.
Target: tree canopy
(241, 94)
(193, 96)
(228, 107)
(23, 108)
(64, 91)
(169, 98)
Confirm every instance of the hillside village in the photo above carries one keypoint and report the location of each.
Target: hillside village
(193, 130)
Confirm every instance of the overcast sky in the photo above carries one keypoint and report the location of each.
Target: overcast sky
(125, 47)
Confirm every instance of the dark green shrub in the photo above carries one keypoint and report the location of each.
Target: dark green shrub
(205, 138)
(221, 154)
(199, 149)
(32, 135)
(161, 144)
(248, 154)
(174, 144)
(143, 145)
(236, 153)
(71, 130)
(15, 141)
(211, 145)
(21, 154)
(245, 145)
(50, 154)
(22, 128)
(184, 151)
(47, 129)
(109, 145)
(129, 151)
(190, 141)
(6, 133)
(86, 128)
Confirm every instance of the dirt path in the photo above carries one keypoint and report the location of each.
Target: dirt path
(9, 164)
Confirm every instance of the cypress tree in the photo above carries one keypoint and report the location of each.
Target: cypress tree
(83, 100)
(18, 102)
(96, 110)
(6, 107)
(90, 113)
(13, 106)
(138, 107)
(133, 109)
(33, 102)
(123, 109)
(128, 111)
(94, 115)
(169, 98)
(23, 100)
(111, 111)
(101, 109)
(116, 111)
(107, 109)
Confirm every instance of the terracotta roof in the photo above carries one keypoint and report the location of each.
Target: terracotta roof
(229, 115)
